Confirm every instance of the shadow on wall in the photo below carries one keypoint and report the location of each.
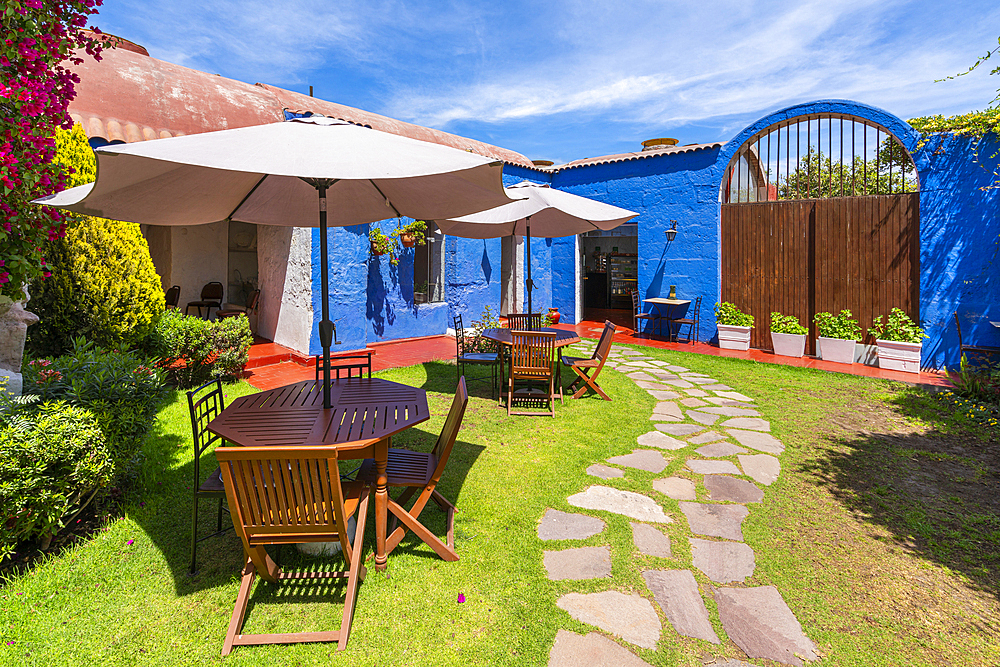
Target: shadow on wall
(960, 248)
(379, 310)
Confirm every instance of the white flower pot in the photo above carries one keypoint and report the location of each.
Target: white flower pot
(897, 356)
(788, 345)
(837, 350)
(733, 337)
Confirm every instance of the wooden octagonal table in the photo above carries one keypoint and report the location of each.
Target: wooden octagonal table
(364, 416)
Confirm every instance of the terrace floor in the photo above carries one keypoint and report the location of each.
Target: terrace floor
(272, 365)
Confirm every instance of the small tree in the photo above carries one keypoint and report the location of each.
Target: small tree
(103, 284)
(35, 91)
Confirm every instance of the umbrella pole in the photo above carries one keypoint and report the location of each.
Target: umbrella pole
(325, 325)
(530, 286)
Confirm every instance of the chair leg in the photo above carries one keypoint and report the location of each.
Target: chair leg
(429, 538)
(218, 519)
(240, 609)
(194, 536)
(356, 573)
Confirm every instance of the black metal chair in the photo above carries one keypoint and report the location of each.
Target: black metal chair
(463, 357)
(205, 406)
(351, 365)
(211, 297)
(638, 315)
(693, 322)
(173, 296)
(973, 350)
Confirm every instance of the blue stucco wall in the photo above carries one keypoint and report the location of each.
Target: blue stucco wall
(959, 244)
(472, 277)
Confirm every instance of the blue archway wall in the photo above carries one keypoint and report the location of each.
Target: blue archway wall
(372, 300)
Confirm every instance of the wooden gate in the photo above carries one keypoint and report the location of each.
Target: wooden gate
(807, 256)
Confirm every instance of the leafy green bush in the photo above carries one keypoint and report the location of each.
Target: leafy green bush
(474, 341)
(53, 459)
(121, 389)
(193, 350)
(103, 285)
(899, 327)
(729, 315)
(842, 326)
(786, 324)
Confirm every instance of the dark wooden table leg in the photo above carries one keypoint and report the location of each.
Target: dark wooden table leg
(381, 502)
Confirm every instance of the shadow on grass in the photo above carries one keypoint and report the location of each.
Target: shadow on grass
(934, 491)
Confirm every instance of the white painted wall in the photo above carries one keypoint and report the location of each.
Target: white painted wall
(284, 264)
(199, 254)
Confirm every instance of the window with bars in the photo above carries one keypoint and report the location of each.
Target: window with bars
(816, 157)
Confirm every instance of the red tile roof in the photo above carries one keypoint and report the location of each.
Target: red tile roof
(623, 157)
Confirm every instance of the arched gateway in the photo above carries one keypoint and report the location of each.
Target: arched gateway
(820, 212)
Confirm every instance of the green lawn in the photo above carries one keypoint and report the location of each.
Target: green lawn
(882, 535)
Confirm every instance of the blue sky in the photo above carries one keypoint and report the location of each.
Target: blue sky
(574, 79)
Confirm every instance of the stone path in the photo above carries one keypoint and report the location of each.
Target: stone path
(723, 457)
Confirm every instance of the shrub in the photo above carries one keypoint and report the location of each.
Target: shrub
(842, 326)
(899, 327)
(121, 389)
(193, 350)
(53, 459)
(103, 284)
(729, 315)
(474, 341)
(786, 324)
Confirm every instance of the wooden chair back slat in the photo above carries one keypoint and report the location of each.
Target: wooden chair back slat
(532, 353)
(449, 433)
(604, 344)
(524, 321)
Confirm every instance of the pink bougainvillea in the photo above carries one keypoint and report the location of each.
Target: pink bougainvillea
(35, 92)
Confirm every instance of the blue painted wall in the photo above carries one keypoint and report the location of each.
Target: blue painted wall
(472, 277)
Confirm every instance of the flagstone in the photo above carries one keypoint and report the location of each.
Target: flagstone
(735, 395)
(695, 374)
(577, 564)
(718, 387)
(699, 380)
(702, 417)
(638, 364)
(642, 459)
(604, 472)
(661, 440)
(676, 591)
(682, 384)
(677, 488)
(659, 363)
(650, 541)
(651, 384)
(718, 450)
(677, 369)
(731, 411)
(754, 423)
(663, 395)
(590, 650)
(679, 429)
(703, 467)
(695, 392)
(760, 441)
(641, 375)
(707, 436)
(626, 503)
(762, 468)
(728, 401)
(556, 525)
(723, 562)
(723, 521)
(667, 408)
(630, 617)
(731, 489)
(631, 353)
(693, 402)
(761, 624)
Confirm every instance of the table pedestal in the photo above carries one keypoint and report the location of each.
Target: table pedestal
(381, 502)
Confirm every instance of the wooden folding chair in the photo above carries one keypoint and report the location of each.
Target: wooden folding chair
(351, 365)
(421, 472)
(291, 495)
(524, 321)
(531, 362)
(581, 365)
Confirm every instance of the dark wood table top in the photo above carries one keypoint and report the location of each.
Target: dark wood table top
(362, 409)
(503, 337)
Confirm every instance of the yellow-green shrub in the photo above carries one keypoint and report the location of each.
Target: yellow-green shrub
(103, 284)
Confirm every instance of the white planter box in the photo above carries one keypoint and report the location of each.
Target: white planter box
(789, 345)
(733, 337)
(896, 356)
(837, 350)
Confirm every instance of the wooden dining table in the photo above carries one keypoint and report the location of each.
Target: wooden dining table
(365, 414)
(564, 337)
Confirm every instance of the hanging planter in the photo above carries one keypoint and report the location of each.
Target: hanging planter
(414, 233)
(380, 243)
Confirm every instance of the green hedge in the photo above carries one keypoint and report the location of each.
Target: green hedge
(192, 350)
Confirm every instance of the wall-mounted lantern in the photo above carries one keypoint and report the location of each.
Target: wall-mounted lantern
(672, 232)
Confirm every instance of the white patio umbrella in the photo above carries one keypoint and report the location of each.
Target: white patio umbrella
(554, 213)
(283, 174)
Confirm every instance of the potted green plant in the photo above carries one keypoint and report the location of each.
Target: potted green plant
(734, 326)
(788, 336)
(414, 233)
(899, 342)
(382, 244)
(838, 335)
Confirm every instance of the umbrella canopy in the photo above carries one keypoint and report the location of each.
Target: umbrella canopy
(282, 174)
(538, 211)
